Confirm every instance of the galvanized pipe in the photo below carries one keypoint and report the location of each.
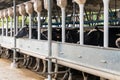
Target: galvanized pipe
(11, 25)
(30, 26)
(23, 23)
(6, 26)
(2, 26)
(14, 51)
(106, 20)
(63, 24)
(39, 25)
(81, 7)
(16, 24)
(49, 39)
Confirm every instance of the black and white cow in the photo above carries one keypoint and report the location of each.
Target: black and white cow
(94, 37)
(56, 34)
(24, 32)
(72, 35)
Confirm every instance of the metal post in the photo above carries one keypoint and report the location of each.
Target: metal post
(63, 24)
(81, 7)
(6, 26)
(11, 25)
(49, 39)
(23, 23)
(30, 26)
(2, 26)
(106, 19)
(14, 50)
(16, 24)
(39, 25)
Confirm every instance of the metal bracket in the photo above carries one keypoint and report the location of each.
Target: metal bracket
(16, 49)
(56, 69)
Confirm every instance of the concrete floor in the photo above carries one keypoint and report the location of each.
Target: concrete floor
(8, 73)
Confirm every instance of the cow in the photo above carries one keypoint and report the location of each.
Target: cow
(94, 37)
(72, 35)
(24, 33)
(56, 34)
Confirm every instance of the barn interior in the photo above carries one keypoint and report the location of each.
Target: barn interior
(82, 58)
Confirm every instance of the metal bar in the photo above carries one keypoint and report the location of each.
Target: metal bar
(49, 39)
(16, 24)
(6, 26)
(23, 23)
(30, 26)
(106, 19)
(14, 53)
(11, 24)
(81, 7)
(39, 25)
(2, 26)
(63, 24)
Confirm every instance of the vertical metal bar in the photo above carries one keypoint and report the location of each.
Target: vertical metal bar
(23, 23)
(106, 19)
(81, 6)
(30, 26)
(6, 26)
(63, 25)
(14, 54)
(39, 25)
(74, 12)
(2, 26)
(49, 39)
(11, 25)
(16, 24)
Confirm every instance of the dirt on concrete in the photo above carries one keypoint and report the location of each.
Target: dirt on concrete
(8, 73)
